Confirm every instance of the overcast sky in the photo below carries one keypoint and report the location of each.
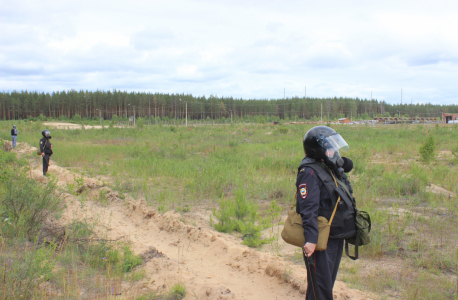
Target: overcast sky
(249, 49)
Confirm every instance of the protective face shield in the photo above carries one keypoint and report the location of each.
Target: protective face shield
(46, 134)
(332, 145)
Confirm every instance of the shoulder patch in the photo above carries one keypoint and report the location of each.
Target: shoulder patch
(303, 190)
(302, 170)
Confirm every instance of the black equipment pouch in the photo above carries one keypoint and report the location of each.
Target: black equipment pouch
(363, 227)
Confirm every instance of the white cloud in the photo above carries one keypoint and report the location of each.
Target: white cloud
(234, 48)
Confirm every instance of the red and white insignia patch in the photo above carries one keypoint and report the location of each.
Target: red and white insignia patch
(303, 190)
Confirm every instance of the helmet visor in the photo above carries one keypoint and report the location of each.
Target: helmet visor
(335, 143)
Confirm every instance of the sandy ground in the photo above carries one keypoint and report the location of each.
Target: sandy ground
(60, 125)
(210, 264)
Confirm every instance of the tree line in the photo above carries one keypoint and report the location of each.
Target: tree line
(107, 104)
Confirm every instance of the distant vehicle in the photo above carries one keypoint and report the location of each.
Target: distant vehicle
(452, 122)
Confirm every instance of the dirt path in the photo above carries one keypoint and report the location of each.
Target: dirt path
(210, 264)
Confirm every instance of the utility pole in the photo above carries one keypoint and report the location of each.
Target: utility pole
(321, 112)
(100, 116)
(328, 106)
(186, 113)
(371, 105)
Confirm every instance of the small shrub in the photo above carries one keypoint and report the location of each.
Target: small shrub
(455, 152)
(283, 130)
(76, 118)
(179, 290)
(242, 206)
(103, 198)
(428, 150)
(271, 215)
(140, 123)
(255, 240)
(224, 215)
(138, 275)
(242, 215)
(261, 120)
(26, 205)
(233, 144)
(129, 259)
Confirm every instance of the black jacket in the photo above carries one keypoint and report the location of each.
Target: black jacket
(45, 146)
(14, 132)
(313, 200)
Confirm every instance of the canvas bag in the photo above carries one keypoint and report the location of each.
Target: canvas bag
(293, 233)
(39, 151)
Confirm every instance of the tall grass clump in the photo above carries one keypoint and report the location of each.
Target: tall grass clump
(428, 150)
(242, 215)
(25, 206)
(23, 268)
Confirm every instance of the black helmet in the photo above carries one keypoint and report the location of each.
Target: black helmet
(322, 142)
(46, 133)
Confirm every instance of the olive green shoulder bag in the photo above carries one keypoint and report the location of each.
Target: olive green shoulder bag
(293, 233)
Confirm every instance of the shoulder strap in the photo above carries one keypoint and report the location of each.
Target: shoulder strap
(323, 174)
(328, 180)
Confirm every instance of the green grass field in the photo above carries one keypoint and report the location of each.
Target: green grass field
(177, 168)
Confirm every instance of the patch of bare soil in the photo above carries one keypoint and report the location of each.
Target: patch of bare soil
(60, 125)
(185, 249)
(432, 188)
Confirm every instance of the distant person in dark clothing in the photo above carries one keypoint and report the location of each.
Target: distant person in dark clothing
(46, 150)
(14, 135)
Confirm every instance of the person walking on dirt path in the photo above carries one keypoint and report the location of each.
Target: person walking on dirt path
(14, 136)
(46, 149)
(321, 170)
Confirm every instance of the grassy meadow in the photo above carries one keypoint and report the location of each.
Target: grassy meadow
(178, 168)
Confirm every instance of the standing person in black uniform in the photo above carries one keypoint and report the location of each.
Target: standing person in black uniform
(319, 174)
(14, 136)
(46, 149)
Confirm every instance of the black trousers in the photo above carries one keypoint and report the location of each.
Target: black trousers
(46, 163)
(327, 264)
